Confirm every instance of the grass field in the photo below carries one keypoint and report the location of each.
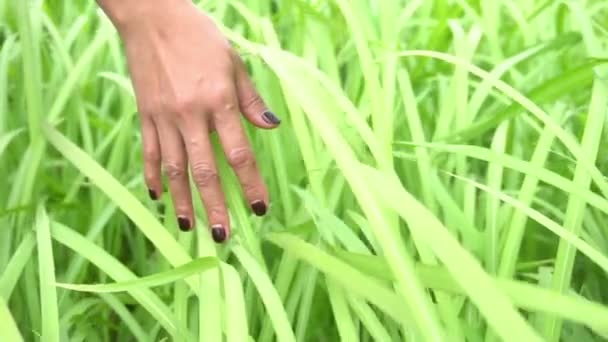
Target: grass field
(440, 175)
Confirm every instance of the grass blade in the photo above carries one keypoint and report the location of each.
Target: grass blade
(117, 271)
(147, 223)
(348, 277)
(14, 268)
(314, 103)
(524, 295)
(342, 315)
(236, 321)
(179, 273)
(480, 287)
(46, 266)
(268, 294)
(569, 237)
(527, 104)
(8, 327)
(125, 316)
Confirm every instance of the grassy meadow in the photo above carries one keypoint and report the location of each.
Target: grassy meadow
(440, 175)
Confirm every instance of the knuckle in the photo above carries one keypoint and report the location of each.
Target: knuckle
(216, 212)
(241, 157)
(148, 109)
(204, 174)
(220, 96)
(151, 155)
(175, 170)
(183, 106)
(252, 101)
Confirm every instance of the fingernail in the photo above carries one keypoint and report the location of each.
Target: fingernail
(259, 208)
(152, 194)
(184, 223)
(270, 118)
(218, 233)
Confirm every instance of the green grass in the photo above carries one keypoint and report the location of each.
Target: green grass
(440, 174)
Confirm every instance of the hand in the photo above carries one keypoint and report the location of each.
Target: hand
(188, 83)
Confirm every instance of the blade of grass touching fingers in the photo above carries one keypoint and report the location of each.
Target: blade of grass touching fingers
(342, 102)
(427, 322)
(480, 287)
(8, 328)
(196, 266)
(209, 307)
(268, 294)
(181, 292)
(46, 265)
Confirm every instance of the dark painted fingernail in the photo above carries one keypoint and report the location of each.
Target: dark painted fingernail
(270, 118)
(184, 223)
(259, 208)
(153, 194)
(218, 233)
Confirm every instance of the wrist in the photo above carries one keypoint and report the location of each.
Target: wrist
(126, 14)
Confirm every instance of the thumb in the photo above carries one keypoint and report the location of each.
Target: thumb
(250, 102)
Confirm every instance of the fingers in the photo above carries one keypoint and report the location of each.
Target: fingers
(175, 164)
(180, 139)
(240, 156)
(205, 176)
(250, 102)
(152, 158)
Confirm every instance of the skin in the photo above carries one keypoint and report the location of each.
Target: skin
(189, 83)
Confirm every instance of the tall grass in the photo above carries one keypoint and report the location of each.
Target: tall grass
(441, 175)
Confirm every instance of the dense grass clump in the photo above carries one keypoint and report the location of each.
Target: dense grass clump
(440, 175)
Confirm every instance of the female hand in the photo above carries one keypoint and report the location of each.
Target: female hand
(188, 83)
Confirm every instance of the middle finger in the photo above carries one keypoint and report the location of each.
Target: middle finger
(205, 176)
